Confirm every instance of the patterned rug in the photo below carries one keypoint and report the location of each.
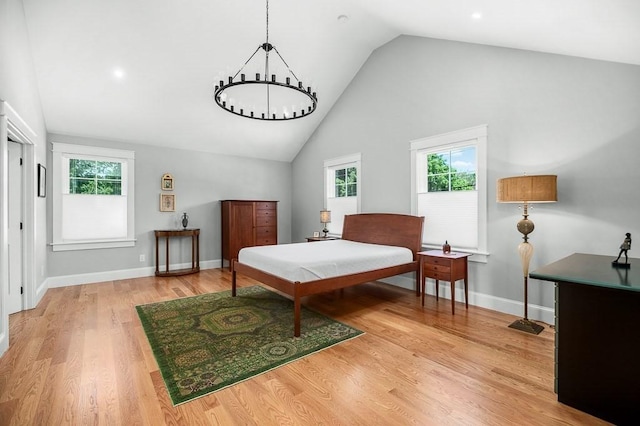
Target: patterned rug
(208, 342)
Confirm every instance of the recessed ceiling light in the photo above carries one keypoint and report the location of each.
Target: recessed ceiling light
(476, 15)
(343, 19)
(118, 73)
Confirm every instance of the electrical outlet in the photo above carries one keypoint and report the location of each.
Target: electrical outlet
(142, 258)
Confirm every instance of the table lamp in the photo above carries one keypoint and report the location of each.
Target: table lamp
(325, 217)
(525, 190)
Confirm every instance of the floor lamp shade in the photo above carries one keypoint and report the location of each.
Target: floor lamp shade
(527, 189)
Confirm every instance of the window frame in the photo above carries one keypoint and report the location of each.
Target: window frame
(61, 151)
(448, 141)
(344, 162)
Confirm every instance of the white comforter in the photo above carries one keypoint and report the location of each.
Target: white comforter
(311, 261)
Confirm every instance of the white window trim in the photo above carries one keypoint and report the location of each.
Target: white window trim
(59, 149)
(347, 161)
(477, 135)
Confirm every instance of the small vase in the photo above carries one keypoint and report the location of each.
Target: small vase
(446, 248)
(185, 220)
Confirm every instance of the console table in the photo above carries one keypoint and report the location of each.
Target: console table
(597, 335)
(195, 251)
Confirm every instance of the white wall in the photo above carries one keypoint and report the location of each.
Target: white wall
(546, 114)
(18, 87)
(201, 180)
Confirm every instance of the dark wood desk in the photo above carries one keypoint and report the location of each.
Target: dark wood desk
(195, 251)
(597, 335)
(446, 267)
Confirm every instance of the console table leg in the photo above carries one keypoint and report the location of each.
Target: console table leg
(157, 257)
(166, 244)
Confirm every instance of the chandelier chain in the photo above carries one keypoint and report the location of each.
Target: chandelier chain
(266, 65)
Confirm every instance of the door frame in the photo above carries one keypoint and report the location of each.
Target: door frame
(12, 125)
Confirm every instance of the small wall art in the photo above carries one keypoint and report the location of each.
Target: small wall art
(42, 181)
(167, 182)
(167, 202)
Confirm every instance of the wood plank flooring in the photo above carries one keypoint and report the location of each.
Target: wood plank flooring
(82, 358)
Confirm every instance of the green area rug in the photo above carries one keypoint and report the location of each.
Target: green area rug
(208, 342)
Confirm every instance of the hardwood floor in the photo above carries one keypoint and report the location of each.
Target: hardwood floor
(82, 358)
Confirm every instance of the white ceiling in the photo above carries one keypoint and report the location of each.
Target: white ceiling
(172, 51)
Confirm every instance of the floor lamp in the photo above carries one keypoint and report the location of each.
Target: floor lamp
(525, 190)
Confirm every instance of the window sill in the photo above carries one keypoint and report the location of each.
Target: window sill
(91, 245)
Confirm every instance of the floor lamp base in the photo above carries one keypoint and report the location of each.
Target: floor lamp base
(527, 326)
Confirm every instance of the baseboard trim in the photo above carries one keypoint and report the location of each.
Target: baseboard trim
(500, 304)
(123, 274)
(507, 306)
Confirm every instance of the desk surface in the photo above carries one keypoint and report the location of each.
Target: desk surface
(591, 269)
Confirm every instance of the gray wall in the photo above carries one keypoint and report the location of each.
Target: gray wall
(546, 114)
(201, 180)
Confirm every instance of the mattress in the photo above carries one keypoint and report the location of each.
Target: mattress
(316, 260)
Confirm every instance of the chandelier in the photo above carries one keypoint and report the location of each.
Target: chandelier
(266, 97)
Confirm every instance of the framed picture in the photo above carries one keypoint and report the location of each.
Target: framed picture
(42, 181)
(167, 182)
(167, 203)
(316, 234)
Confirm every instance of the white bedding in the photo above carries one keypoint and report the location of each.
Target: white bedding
(311, 261)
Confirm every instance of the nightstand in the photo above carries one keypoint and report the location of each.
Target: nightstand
(450, 267)
(311, 239)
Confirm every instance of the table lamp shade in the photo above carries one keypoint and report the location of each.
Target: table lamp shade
(527, 189)
(325, 216)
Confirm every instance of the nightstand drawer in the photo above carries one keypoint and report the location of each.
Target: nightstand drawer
(430, 260)
(433, 269)
(437, 275)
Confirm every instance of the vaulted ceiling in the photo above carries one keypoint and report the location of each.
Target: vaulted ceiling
(142, 70)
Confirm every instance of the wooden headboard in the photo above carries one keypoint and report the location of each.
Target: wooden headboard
(385, 228)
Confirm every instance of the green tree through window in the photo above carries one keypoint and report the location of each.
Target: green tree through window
(453, 170)
(346, 182)
(95, 177)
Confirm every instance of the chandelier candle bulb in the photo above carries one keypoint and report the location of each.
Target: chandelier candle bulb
(299, 85)
(288, 80)
(241, 77)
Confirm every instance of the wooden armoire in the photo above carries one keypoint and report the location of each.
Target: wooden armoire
(247, 223)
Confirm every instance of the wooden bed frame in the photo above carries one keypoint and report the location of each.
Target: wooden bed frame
(376, 228)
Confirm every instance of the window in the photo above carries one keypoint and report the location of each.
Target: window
(93, 197)
(346, 182)
(449, 189)
(342, 189)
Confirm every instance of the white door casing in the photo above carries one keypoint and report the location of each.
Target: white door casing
(15, 262)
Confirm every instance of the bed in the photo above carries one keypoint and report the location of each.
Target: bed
(293, 275)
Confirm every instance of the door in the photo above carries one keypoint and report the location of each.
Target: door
(14, 303)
